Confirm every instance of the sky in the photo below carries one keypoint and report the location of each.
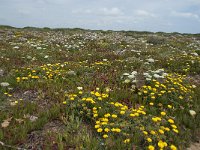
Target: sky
(138, 15)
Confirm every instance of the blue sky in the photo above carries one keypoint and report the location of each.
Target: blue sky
(140, 15)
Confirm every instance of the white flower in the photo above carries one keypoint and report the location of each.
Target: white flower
(80, 88)
(195, 54)
(16, 47)
(46, 56)
(134, 72)
(150, 60)
(134, 81)
(4, 84)
(192, 112)
(127, 81)
(194, 86)
(131, 76)
(126, 74)
(71, 73)
(156, 76)
(105, 59)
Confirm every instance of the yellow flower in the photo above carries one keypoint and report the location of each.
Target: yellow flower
(162, 144)
(64, 102)
(114, 116)
(106, 130)
(105, 136)
(95, 115)
(72, 98)
(96, 126)
(107, 115)
(145, 132)
(132, 115)
(118, 130)
(170, 121)
(161, 131)
(152, 132)
(145, 92)
(80, 92)
(127, 141)
(99, 130)
(151, 104)
(174, 126)
(175, 130)
(150, 147)
(122, 112)
(163, 113)
(169, 106)
(167, 129)
(99, 98)
(173, 147)
(149, 139)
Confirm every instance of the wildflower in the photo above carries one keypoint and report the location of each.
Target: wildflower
(96, 126)
(161, 131)
(192, 112)
(80, 88)
(126, 140)
(107, 115)
(173, 147)
(64, 102)
(99, 130)
(170, 121)
(95, 115)
(72, 98)
(106, 130)
(163, 113)
(145, 132)
(175, 130)
(122, 112)
(118, 130)
(105, 136)
(169, 106)
(149, 139)
(114, 116)
(150, 147)
(16, 102)
(162, 144)
(174, 126)
(151, 104)
(152, 132)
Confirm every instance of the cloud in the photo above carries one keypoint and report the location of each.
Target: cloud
(111, 12)
(144, 13)
(100, 11)
(185, 14)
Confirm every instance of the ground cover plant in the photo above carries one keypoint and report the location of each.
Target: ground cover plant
(83, 89)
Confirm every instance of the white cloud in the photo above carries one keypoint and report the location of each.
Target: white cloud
(111, 12)
(144, 13)
(100, 12)
(185, 14)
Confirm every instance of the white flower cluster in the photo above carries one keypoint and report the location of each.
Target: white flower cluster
(130, 77)
(158, 74)
(149, 75)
